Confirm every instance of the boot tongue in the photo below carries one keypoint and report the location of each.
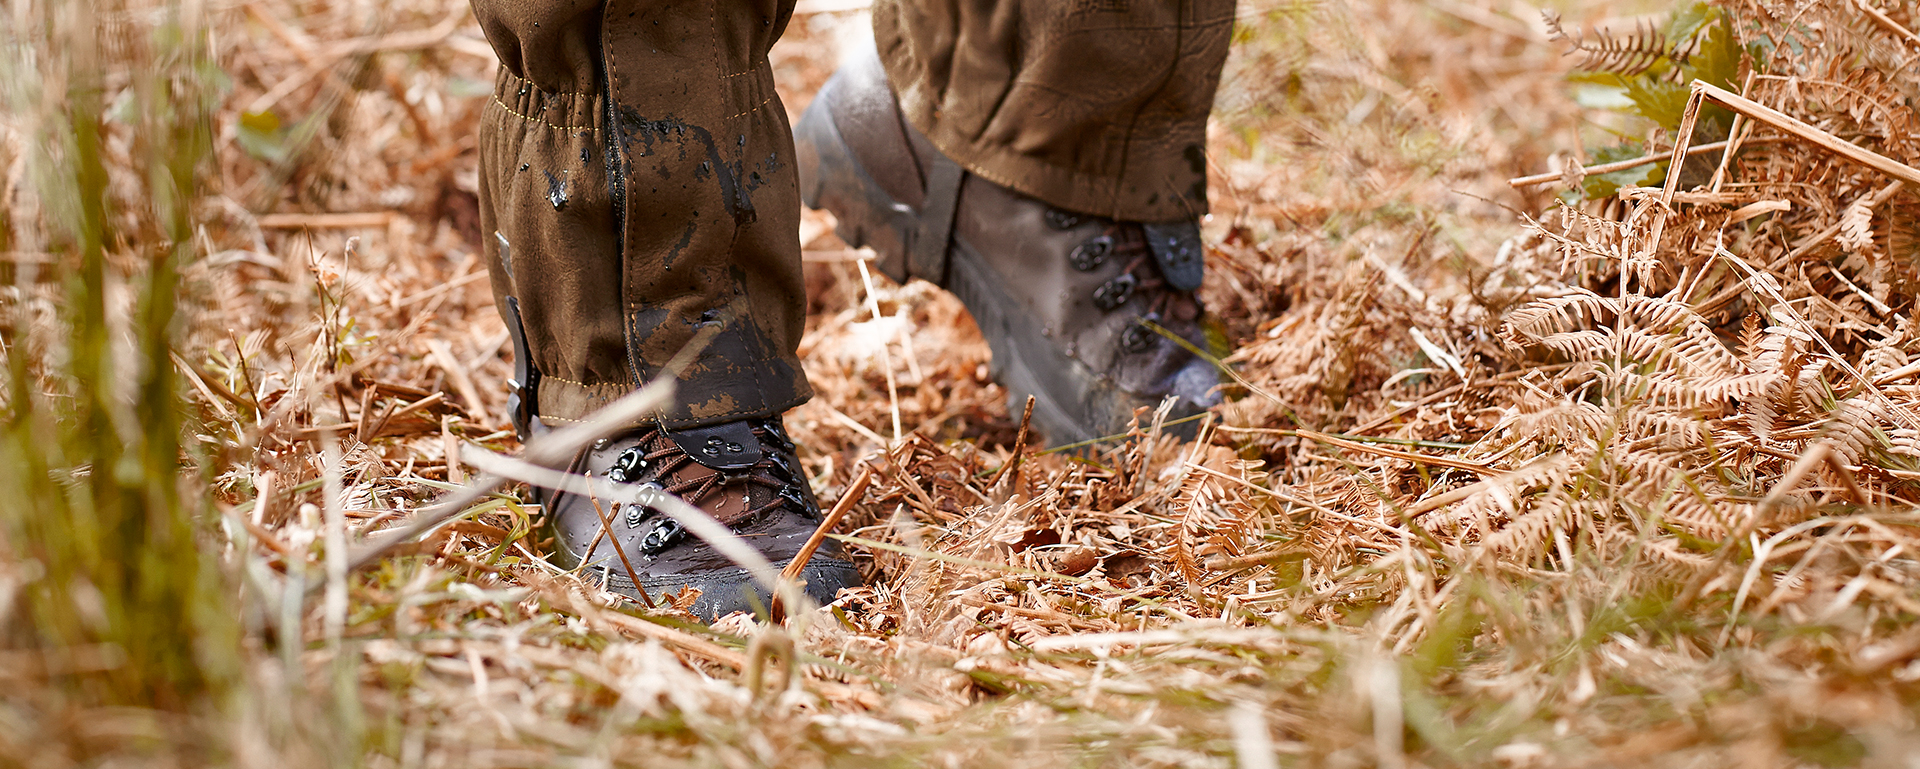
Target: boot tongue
(1176, 248)
(728, 447)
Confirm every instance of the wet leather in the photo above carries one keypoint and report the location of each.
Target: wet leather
(1008, 233)
(730, 446)
(775, 521)
(866, 116)
(927, 246)
(638, 160)
(1177, 250)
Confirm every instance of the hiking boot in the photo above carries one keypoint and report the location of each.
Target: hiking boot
(1092, 317)
(744, 474)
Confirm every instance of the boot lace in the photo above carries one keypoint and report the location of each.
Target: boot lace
(657, 462)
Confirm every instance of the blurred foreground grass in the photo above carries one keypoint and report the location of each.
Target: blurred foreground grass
(107, 554)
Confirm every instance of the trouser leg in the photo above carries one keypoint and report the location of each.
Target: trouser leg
(637, 168)
(1096, 106)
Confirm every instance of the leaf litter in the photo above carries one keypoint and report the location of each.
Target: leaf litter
(1507, 476)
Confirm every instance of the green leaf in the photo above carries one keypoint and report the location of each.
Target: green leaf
(1661, 102)
(1718, 60)
(1604, 185)
(1687, 21)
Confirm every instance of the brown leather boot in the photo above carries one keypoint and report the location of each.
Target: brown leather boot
(744, 474)
(1086, 314)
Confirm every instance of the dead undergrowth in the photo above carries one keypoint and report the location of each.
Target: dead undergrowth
(1508, 477)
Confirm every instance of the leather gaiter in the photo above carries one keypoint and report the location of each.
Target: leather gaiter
(1095, 106)
(637, 185)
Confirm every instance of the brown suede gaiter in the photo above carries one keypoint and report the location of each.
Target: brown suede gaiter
(1096, 106)
(639, 168)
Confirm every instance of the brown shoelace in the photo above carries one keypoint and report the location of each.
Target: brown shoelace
(657, 460)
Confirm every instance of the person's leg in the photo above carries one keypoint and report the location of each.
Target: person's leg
(1044, 160)
(637, 185)
(1094, 106)
(639, 170)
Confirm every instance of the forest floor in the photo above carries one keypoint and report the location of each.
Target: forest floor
(1499, 482)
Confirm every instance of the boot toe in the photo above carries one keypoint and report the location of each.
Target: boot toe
(1197, 383)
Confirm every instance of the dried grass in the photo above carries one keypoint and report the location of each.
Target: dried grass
(1630, 481)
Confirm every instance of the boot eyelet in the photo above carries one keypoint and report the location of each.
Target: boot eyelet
(1116, 292)
(1137, 339)
(791, 494)
(628, 466)
(663, 536)
(1088, 256)
(778, 467)
(773, 431)
(641, 508)
(1062, 220)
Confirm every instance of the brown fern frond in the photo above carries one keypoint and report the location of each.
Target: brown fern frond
(1665, 390)
(1868, 99)
(1570, 423)
(1694, 354)
(1811, 387)
(1905, 442)
(1697, 352)
(1665, 559)
(1629, 55)
(1659, 313)
(1903, 230)
(1858, 429)
(1667, 429)
(1884, 356)
(1503, 499)
(1579, 308)
(1762, 413)
(1651, 330)
(1856, 225)
(1751, 335)
(1531, 532)
(1707, 519)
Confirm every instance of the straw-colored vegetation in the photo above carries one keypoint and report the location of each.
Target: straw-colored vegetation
(1616, 466)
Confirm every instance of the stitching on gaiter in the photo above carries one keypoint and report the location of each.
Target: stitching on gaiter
(756, 108)
(713, 37)
(516, 113)
(583, 384)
